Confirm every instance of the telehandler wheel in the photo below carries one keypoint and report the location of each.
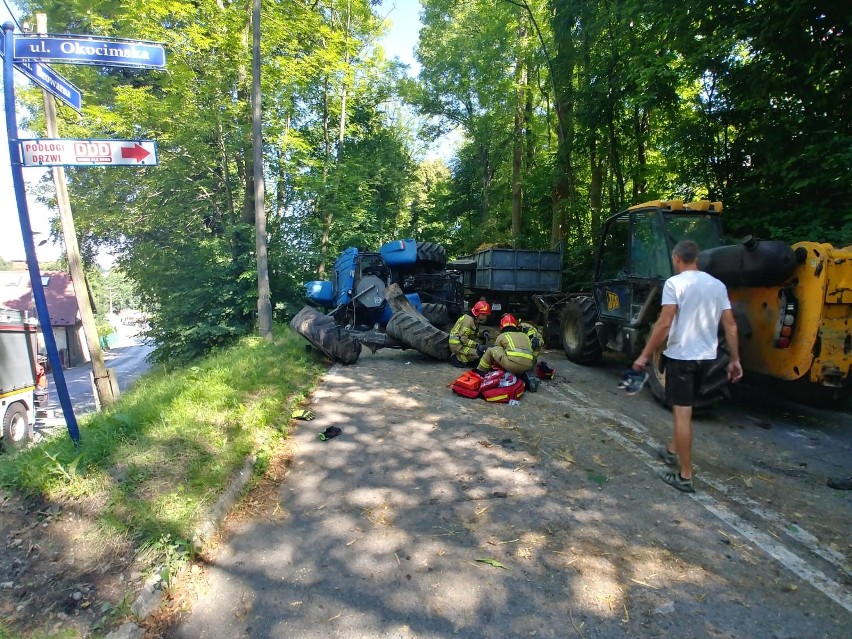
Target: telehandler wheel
(16, 428)
(714, 386)
(579, 335)
(431, 255)
(437, 314)
(419, 334)
(325, 334)
(657, 375)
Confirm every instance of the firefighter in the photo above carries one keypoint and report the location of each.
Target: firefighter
(467, 338)
(512, 350)
(536, 339)
(542, 370)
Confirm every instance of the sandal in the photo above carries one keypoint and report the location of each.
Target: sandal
(674, 480)
(668, 456)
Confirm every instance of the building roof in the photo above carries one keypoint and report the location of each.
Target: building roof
(16, 293)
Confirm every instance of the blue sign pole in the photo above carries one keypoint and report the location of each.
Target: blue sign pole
(27, 231)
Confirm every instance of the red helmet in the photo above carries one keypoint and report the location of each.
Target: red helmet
(481, 308)
(508, 320)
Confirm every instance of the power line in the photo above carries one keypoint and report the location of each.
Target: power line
(18, 24)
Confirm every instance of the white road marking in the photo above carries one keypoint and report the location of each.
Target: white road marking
(795, 564)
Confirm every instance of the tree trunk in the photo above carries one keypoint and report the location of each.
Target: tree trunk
(322, 199)
(341, 135)
(518, 139)
(264, 302)
(563, 21)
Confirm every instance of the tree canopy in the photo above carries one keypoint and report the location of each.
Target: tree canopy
(567, 112)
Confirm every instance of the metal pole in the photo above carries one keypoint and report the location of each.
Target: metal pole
(100, 375)
(27, 232)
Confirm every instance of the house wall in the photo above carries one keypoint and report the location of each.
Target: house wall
(71, 344)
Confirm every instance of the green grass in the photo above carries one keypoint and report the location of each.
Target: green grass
(163, 454)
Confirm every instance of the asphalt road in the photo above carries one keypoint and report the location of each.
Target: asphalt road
(437, 516)
(127, 357)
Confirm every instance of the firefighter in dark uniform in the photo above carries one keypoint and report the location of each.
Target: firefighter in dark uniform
(467, 338)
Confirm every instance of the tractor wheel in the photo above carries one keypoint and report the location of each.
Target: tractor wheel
(324, 333)
(16, 429)
(431, 255)
(437, 314)
(714, 387)
(657, 375)
(419, 334)
(579, 335)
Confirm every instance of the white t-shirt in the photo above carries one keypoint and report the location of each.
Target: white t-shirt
(700, 300)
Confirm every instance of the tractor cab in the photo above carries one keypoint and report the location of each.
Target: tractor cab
(634, 257)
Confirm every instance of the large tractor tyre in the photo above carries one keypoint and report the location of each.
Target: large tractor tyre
(579, 334)
(437, 314)
(325, 334)
(714, 387)
(419, 334)
(657, 375)
(16, 428)
(431, 255)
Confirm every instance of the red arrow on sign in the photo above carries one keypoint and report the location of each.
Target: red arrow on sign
(136, 152)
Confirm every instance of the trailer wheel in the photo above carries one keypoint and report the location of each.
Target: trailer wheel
(579, 335)
(431, 255)
(419, 334)
(324, 333)
(437, 314)
(714, 387)
(16, 428)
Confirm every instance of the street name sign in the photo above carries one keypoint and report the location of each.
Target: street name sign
(62, 152)
(51, 81)
(76, 49)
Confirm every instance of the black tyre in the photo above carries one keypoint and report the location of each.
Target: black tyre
(579, 335)
(714, 387)
(437, 314)
(16, 428)
(324, 333)
(431, 255)
(420, 335)
(657, 375)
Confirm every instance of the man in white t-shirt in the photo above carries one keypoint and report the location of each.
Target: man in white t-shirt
(693, 304)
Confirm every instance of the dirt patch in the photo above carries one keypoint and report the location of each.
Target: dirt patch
(55, 572)
(58, 575)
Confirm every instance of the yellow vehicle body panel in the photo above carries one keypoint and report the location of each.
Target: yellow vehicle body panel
(821, 344)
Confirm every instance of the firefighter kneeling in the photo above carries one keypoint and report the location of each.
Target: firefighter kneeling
(512, 352)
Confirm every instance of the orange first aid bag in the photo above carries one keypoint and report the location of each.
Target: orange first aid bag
(467, 384)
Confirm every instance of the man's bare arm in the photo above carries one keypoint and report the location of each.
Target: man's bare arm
(658, 335)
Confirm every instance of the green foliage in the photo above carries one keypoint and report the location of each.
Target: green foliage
(566, 112)
(168, 447)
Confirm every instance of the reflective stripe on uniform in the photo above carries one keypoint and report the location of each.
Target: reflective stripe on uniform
(514, 351)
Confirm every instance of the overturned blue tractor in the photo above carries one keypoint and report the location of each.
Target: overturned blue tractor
(398, 297)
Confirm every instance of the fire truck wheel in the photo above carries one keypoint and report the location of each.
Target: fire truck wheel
(16, 429)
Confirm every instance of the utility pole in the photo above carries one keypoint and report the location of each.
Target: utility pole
(264, 303)
(103, 379)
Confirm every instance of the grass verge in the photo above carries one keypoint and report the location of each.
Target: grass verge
(148, 469)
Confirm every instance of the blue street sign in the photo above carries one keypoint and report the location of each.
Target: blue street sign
(51, 81)
(77, 49)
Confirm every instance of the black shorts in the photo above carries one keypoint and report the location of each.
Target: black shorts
(683, 378)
